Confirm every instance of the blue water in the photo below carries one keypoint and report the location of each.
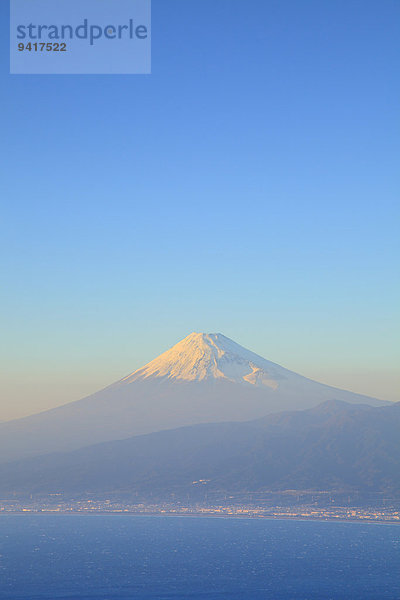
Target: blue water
(121, 557)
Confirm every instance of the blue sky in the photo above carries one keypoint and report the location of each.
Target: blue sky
(248, 186)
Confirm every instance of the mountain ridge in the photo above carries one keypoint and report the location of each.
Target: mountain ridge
(202, 356)
(205, 378)
(337, 446)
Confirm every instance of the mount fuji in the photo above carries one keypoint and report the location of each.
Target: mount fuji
(205, 378)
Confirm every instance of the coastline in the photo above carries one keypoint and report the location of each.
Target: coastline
(302, 518)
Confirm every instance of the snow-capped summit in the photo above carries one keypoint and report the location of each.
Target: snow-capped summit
(204, 356)
(204, 378)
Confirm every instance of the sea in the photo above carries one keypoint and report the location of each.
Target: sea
(124, 557)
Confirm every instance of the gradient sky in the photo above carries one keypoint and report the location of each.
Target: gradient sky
(248, 186)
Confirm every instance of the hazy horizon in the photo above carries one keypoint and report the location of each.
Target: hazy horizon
(67, 391)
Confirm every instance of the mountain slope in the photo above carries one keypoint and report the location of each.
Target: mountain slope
(335, 446)
(204, 378)
(212, 356)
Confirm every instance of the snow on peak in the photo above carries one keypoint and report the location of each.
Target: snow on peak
(210, 356)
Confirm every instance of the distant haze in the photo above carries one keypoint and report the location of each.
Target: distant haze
(204, 378)
(41, 386)
(334, 446)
